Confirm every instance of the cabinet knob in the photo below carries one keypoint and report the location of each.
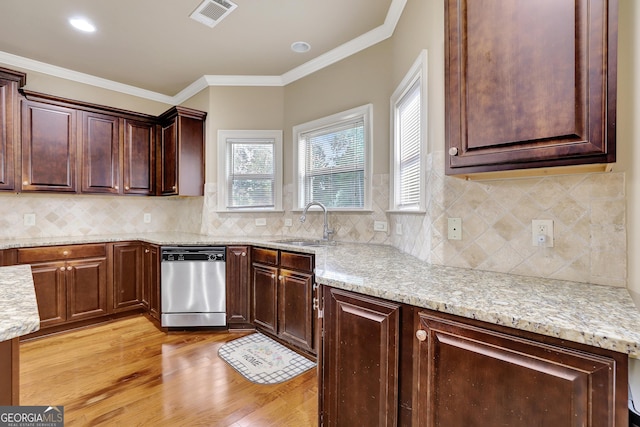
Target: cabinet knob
(65, 253)
(174, 188)
(116, 187)
(126, 187)
(453, 151)
(69, 268)
(421, 334)
(25, 182)
(273, 276)
(61, 268)
(146, 251)
(280, 277)
(244, 254)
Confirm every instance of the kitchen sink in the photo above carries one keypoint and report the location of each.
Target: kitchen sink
(307, 242)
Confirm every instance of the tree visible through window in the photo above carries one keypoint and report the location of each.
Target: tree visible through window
(332, 163)
(251, 180)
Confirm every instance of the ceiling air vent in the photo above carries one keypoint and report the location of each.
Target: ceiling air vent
(211, 12)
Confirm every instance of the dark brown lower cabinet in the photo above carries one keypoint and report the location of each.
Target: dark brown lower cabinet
(385, 364)
(360, 359)
(238, 295)
(469, 375)
(127, 276)
(282, 296)
(9, 372)
(151, 279)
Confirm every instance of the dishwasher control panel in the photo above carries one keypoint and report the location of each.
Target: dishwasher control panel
(193, 253)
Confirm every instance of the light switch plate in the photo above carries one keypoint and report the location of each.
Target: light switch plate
(379, 226)
(147, 218)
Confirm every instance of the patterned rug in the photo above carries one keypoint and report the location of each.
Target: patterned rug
(262, 360)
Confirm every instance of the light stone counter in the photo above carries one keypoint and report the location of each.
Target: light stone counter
(599, 316)
(18, 308)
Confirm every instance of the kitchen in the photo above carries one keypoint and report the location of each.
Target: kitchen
(609, 237)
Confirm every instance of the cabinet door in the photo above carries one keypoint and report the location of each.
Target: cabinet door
(86, 282)
(469, 375)
(264, 283)
(49, 284)
(238, 299)
(100, 148)
(127, 276)
(168, 157)
(139, 157)
(360, 360)
(295, 308)
(151, 280)
(537, 90)
(48, 147)
(9, 120)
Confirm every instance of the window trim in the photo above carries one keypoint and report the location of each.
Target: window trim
(364, 111)
(223, 173)
(417, 72)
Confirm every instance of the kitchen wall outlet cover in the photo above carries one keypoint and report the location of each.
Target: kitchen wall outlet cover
(542, 233)
(147, 218)
(288, 222)
(29, 219)
(398, 229)
(454, 228)
(379, 226)
(261, 222)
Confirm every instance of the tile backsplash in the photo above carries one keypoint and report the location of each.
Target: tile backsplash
(588, 211)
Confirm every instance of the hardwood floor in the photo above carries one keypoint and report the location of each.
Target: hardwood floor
(131, 374)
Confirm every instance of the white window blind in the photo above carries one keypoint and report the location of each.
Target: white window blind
(251, 174)
(334, 164)
(408, 134)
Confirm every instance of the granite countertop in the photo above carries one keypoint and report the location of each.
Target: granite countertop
(18, 308)
(595, 315)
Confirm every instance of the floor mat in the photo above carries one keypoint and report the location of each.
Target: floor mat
(262, 360)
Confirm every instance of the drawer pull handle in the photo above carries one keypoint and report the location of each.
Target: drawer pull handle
(65, 253)
(69, 268)
(61, 268)
(421, 335)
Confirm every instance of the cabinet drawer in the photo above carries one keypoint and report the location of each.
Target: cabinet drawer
(265, 256)
(295, 261)
(53, 253)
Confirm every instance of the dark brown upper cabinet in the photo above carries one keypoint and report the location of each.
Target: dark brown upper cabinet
(99, 154)
(138, 157)
(10, 81)
(181, 152)
(48, 147)
(529, 84)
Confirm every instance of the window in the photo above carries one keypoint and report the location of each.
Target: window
(333, 163)
(408, 124)
(249, 170)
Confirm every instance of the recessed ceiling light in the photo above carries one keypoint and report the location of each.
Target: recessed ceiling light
(300, 47)
(82, 24)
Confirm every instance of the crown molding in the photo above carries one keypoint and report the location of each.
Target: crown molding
(343, 51)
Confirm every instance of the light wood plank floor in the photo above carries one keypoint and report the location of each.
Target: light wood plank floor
(129, 373)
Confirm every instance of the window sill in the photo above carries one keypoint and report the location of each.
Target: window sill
(415, 212)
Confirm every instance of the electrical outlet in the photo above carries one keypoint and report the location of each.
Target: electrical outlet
(261, 222)
(379, 226)
(29, 219)
(288, 222)
(147, 218)
(454, 228)
(542, 233)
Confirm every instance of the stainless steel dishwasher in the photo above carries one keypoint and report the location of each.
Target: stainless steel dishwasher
(192, 282)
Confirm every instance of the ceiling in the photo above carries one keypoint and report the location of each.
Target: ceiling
(154, 45)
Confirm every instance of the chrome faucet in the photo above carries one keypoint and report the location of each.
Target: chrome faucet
(327, 232)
